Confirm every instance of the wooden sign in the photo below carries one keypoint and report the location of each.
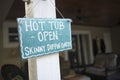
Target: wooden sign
(43, 36)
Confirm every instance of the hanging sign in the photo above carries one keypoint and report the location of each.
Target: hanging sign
(43, 36)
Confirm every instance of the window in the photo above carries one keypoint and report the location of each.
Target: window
(81, 54)
(10, 34)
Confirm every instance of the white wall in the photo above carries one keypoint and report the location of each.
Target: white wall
(97, 32)
(108, 42)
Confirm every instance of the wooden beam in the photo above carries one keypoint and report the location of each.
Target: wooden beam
(44, 67)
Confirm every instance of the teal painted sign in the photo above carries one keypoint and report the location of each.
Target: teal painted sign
(43, 36)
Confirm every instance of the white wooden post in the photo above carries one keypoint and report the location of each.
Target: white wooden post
(44, 67)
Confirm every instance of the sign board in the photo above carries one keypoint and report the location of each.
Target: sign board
(43, 36)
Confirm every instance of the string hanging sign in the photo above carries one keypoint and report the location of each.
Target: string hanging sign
(43, 36)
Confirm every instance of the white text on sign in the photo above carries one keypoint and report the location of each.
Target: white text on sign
(45, 35)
